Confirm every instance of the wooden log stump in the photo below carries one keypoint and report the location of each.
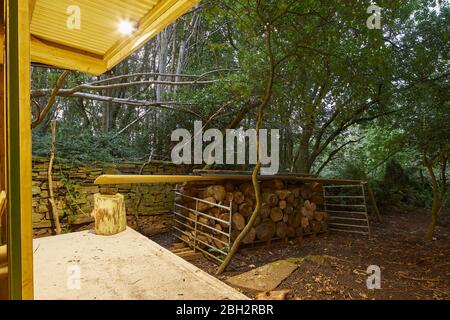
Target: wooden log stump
(288, 209)
(218, 192)
(266, 230)
(250, 237)
(290, 232)
(276, 214)
(109, 214)
(281, 230)
(229, 186)
(238, 221)
(265, 210)
(238, 197)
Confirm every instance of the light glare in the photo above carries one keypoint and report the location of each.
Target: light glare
(126, 27)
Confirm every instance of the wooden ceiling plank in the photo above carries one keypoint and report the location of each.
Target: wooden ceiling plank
(163, 14)
(143, 27)
(99, 21)
(91, 47)
(96, 51)
(65, 58)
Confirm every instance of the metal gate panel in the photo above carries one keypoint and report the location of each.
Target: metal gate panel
(189, 229)
(346, 208)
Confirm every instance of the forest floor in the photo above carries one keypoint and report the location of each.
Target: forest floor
(411, 268)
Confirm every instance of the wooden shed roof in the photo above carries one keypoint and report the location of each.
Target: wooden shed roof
(97, 45)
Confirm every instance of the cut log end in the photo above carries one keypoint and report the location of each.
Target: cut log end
(109, 214)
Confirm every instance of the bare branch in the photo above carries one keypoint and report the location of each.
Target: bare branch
(131, 123)
(156, 75)
(51, 100)
(40, 92)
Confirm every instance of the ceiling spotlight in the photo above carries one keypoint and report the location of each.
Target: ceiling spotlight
(126, 27)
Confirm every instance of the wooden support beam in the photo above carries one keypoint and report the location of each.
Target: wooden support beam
(32, 4)
(4, 292)
(2, 152)
(66, 58)
(2, 44)
(2, 133)
(2, 35)
(18, 149)
(138, 179)
(62, 57)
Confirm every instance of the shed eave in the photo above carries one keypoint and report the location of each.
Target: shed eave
(77, 58)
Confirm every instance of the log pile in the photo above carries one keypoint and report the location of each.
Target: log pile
(289, 210)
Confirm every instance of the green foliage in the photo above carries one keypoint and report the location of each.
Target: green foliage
(349, 170)
(394, 175)
(77, 145)
(402, 187)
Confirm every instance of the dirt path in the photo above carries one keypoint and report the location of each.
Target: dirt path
(411, 268)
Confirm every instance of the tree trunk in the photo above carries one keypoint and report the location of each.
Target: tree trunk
(256, 170)
(51, 198)
(438, 196)
(303, 159)
(163, 41)
(432, 225)
(371, 195)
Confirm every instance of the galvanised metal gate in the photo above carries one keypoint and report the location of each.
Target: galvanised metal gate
(346, 208)
(190, 225)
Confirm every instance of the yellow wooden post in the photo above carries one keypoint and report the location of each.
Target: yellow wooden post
(18, 148)
(2, 143)
(3, 280)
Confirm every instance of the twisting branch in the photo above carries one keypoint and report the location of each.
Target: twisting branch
(51, 197)
(255, 174)
(40, 115)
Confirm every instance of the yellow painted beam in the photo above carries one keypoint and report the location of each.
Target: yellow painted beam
(163, 14)
(2, 31)
(18, 128)
(66, 58)
(138, 179)
(141, 179)
(32, 4)
(2, 43)
(3, 224)
(2, 133)
(59, 56)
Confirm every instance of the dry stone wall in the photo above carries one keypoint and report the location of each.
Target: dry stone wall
(148, 206)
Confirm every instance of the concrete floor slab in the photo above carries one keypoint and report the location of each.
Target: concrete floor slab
(123, 266)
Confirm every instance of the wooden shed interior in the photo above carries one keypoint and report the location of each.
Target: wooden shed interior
(83, 35)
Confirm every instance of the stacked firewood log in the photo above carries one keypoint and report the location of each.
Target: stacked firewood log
(289, 210)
